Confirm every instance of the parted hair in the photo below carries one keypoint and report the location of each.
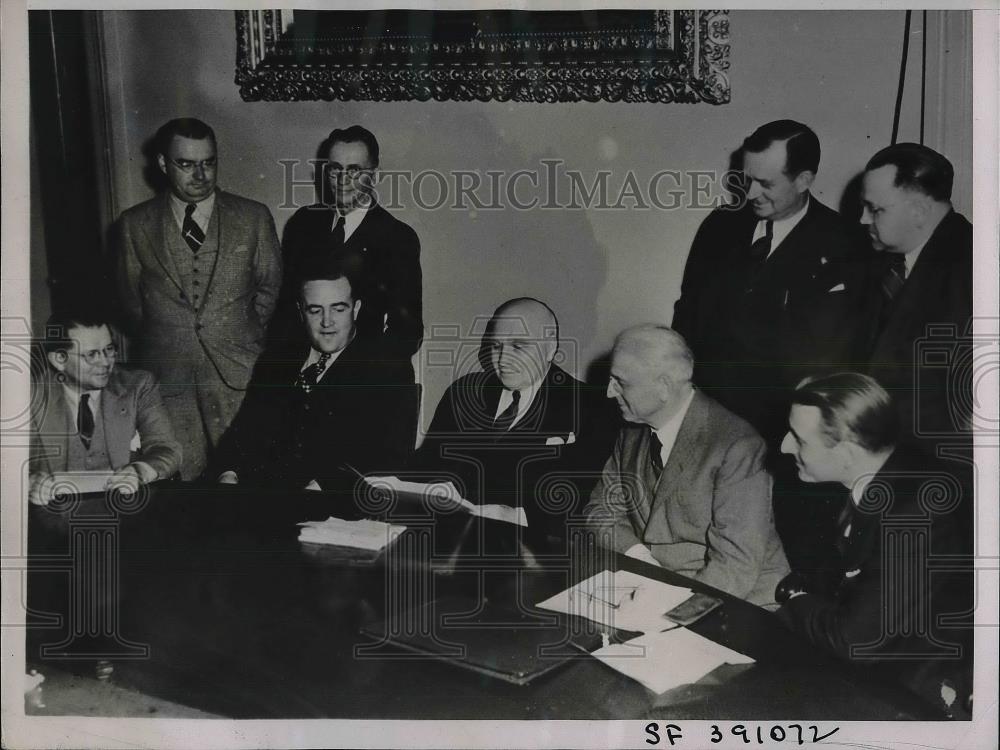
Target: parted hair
(853, 408)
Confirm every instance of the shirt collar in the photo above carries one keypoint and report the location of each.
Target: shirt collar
(781, 228)
(314, 356)
(352, 219)
(202, 210)
(526, 399)
(667, 433)
(73, 399)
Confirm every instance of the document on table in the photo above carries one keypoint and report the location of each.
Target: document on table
(662, 661)
(366, 535)
(80, 482)
(446, 496)
(622, 600)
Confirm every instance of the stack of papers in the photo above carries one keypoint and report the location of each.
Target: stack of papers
(622, 600)
(444, 496)
(366, 535)
(662, 661)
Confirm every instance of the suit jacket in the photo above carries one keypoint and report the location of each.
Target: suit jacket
(130, 404)
(240, 295)
(938, 292)
(853, 610)
(383, 258)
(709, 516)
(544, 463)
(360, 413)
(757, 334)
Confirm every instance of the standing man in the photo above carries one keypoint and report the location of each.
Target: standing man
(199, 272)
(378, 251)
(685, 486)
(771, 285)
(919, 294)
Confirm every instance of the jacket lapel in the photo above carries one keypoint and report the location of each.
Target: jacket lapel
(119, 428)
(223, 221)
(160, 222)
(689, 441)
(58, 427)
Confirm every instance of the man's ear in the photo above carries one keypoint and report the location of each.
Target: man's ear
(850, 452)
(920, 206)
(57, 360)
(302, 313)
(357, 308)
(804, 180)
(162, 163)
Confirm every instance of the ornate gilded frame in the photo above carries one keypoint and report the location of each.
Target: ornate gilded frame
(683, 56)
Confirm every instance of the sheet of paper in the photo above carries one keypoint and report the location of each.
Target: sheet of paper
(81, 482)
(662, 661)
(367, 535)
(447, 492)
(622, 599)
(501, 513)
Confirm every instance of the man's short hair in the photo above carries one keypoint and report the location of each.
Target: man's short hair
(661, 347)
(853, 407)
(917, 168)
(801, 145)
(62, 321)
(354, 134)
(185, 127)
(323, 269)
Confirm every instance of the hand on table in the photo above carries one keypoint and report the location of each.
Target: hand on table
(40, 488)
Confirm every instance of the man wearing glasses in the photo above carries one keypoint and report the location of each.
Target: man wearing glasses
(377, 250)
(90, 416)
(199, 274)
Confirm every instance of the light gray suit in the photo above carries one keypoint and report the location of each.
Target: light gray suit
(709, 516)
(199, 329)
(130, 404)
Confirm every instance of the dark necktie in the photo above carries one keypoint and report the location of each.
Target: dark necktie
(505, 418)
(759, 251)
(85, 421)
(893, 279)
(192, 233)
(337, 233)
(655, 453)
(310, 376)
(844, 523)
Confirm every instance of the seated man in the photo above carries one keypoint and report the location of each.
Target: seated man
(92, 412)
(320, 409)
(898, 516)
(523, 432)
(685, 486)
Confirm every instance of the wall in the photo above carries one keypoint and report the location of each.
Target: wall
(601, 270)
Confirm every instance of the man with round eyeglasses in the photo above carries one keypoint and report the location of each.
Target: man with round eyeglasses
(89, 415)
(199, 271)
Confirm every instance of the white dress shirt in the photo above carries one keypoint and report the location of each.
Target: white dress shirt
(780, 228)
(507, 398)
(351, 221)
(73, 401)
(668, 432)
(313, 358)
(202, 211)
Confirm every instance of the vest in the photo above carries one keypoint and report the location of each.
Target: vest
(195, 269)
(96, 457)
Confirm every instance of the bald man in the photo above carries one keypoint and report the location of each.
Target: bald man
(523, 430)
(685, 486)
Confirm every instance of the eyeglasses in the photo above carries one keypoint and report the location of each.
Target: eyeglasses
(352, 171)
(93, 356)
(188, 167)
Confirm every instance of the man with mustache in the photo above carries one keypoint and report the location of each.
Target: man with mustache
(199, 271)
(685, 486)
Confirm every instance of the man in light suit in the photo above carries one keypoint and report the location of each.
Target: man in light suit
(88, 414)
(523, 427)
(377, 250)
(199, 271)
(685, 486)
(919, 293)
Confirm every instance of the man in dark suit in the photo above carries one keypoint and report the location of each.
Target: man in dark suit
(89, 415)
(522, 432)
(381, 253)
(771, 283)
(900, 561)
(323, 408)
(199, 271)
(685, 487)
(919, 293)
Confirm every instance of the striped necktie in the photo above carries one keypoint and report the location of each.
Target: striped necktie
(192, 233)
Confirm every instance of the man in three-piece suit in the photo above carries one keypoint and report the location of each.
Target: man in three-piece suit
(771, 284)
(199, 271)
(882, 602)
(94, 416)
(378, 251)
(325, 407)
(523, 431)
(919, 294)
(685, 486)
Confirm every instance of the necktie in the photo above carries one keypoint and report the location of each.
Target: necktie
(893, 279)
(192, 233)
(655, 453)
(337, 233)
(85, 421)
(844, 523)
(761, 247)
(310, 376)
(505, 418)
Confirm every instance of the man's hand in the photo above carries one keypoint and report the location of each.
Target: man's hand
(126, 480)
(643, 553)
(40, 488)
(228, 477)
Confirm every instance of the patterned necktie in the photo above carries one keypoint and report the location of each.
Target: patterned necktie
(309, 377)
(505, 419)
(85, 421)
(337, 233)
(892, 283)
(192, 233)
(655, 453)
